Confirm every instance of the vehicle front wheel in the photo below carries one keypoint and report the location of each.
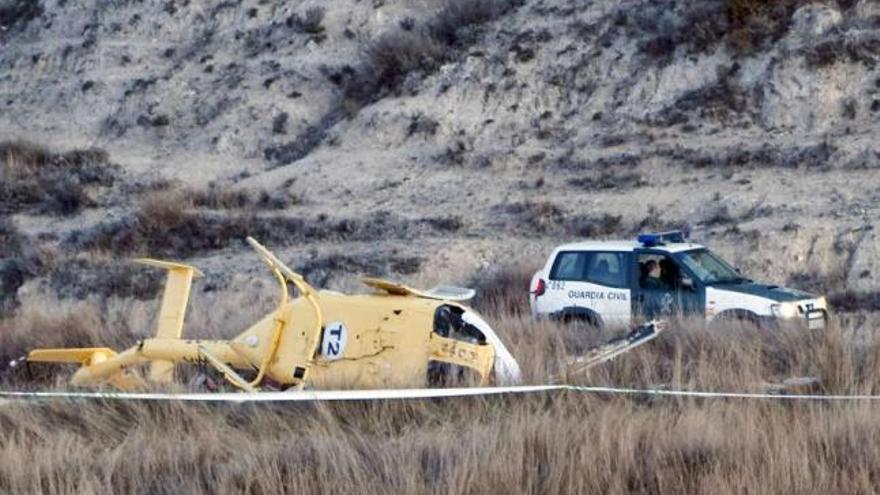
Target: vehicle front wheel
(737, 319)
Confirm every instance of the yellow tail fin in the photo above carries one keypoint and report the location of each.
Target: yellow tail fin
(171, 315)
(84, 356)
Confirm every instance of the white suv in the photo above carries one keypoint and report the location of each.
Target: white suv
(609, 283)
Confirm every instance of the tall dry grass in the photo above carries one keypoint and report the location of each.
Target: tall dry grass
(552, 443)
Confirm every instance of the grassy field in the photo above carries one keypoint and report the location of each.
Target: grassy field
(553, 443)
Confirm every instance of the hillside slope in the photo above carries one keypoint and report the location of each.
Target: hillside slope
(432, 141)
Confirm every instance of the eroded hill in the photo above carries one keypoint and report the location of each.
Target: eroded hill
(434, 140)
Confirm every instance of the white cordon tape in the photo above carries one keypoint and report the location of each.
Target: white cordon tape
(718, 395)
(298, 396)
(418, 393)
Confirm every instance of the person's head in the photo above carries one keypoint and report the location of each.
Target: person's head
(653, 268)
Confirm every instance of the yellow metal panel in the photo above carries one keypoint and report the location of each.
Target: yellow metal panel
(480, 358)
(171, 315)
(169, 265)
(100, 371)
(387, 342)
(388, 286)
(78, 356)
(227, 371)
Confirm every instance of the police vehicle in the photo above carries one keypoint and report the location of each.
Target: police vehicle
(613, 283)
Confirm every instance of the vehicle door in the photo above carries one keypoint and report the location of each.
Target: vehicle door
(596, 281)
(662, 287)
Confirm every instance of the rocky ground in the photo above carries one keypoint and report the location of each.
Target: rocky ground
(433, 141)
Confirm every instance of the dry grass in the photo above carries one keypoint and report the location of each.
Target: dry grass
(561, 443)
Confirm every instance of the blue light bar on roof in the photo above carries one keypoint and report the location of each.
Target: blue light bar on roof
(660, 238)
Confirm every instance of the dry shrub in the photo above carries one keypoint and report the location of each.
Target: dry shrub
(698, 27)
(18, 13)
(589, 226)
(754, 23)
(544, 217)
(655, 221)
(22, 156)
(222, 198)
(388, 60)
(323, 271)
(813, 155)
(609, 180)
(229, 198)
(311, 137)
(16, 263)
(854, 301)
(50, 324)
(534, 216)
(168, 224)
(311, 23)
(721, 101)
(503, 290)
(11, 239)
(456, 15)
(394, 56)
(87, 276)
(33, 178)
(165, 208)
(748, 26)
(840, 47)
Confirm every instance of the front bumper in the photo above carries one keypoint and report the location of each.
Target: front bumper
(816, 319)
(810, 313)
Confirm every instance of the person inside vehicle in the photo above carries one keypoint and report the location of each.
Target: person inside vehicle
(669, 272)
(654, 278)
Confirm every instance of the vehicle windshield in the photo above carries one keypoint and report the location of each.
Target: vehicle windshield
(708, 267)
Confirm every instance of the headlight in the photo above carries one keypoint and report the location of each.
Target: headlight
(784, 310)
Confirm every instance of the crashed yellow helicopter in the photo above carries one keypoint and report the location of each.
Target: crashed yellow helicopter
(396, 337)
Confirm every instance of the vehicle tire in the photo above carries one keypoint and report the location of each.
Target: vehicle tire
(581, 330)
(738, 318)
(582, 319)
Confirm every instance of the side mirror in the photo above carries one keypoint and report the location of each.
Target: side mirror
(687, 282)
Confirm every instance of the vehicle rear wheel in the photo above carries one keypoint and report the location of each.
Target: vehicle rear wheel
(583, 322)
(582, 331)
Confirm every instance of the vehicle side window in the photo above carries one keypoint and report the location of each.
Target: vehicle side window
(569, 265)
(607, 269)
(601, 268)
(658, 271)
